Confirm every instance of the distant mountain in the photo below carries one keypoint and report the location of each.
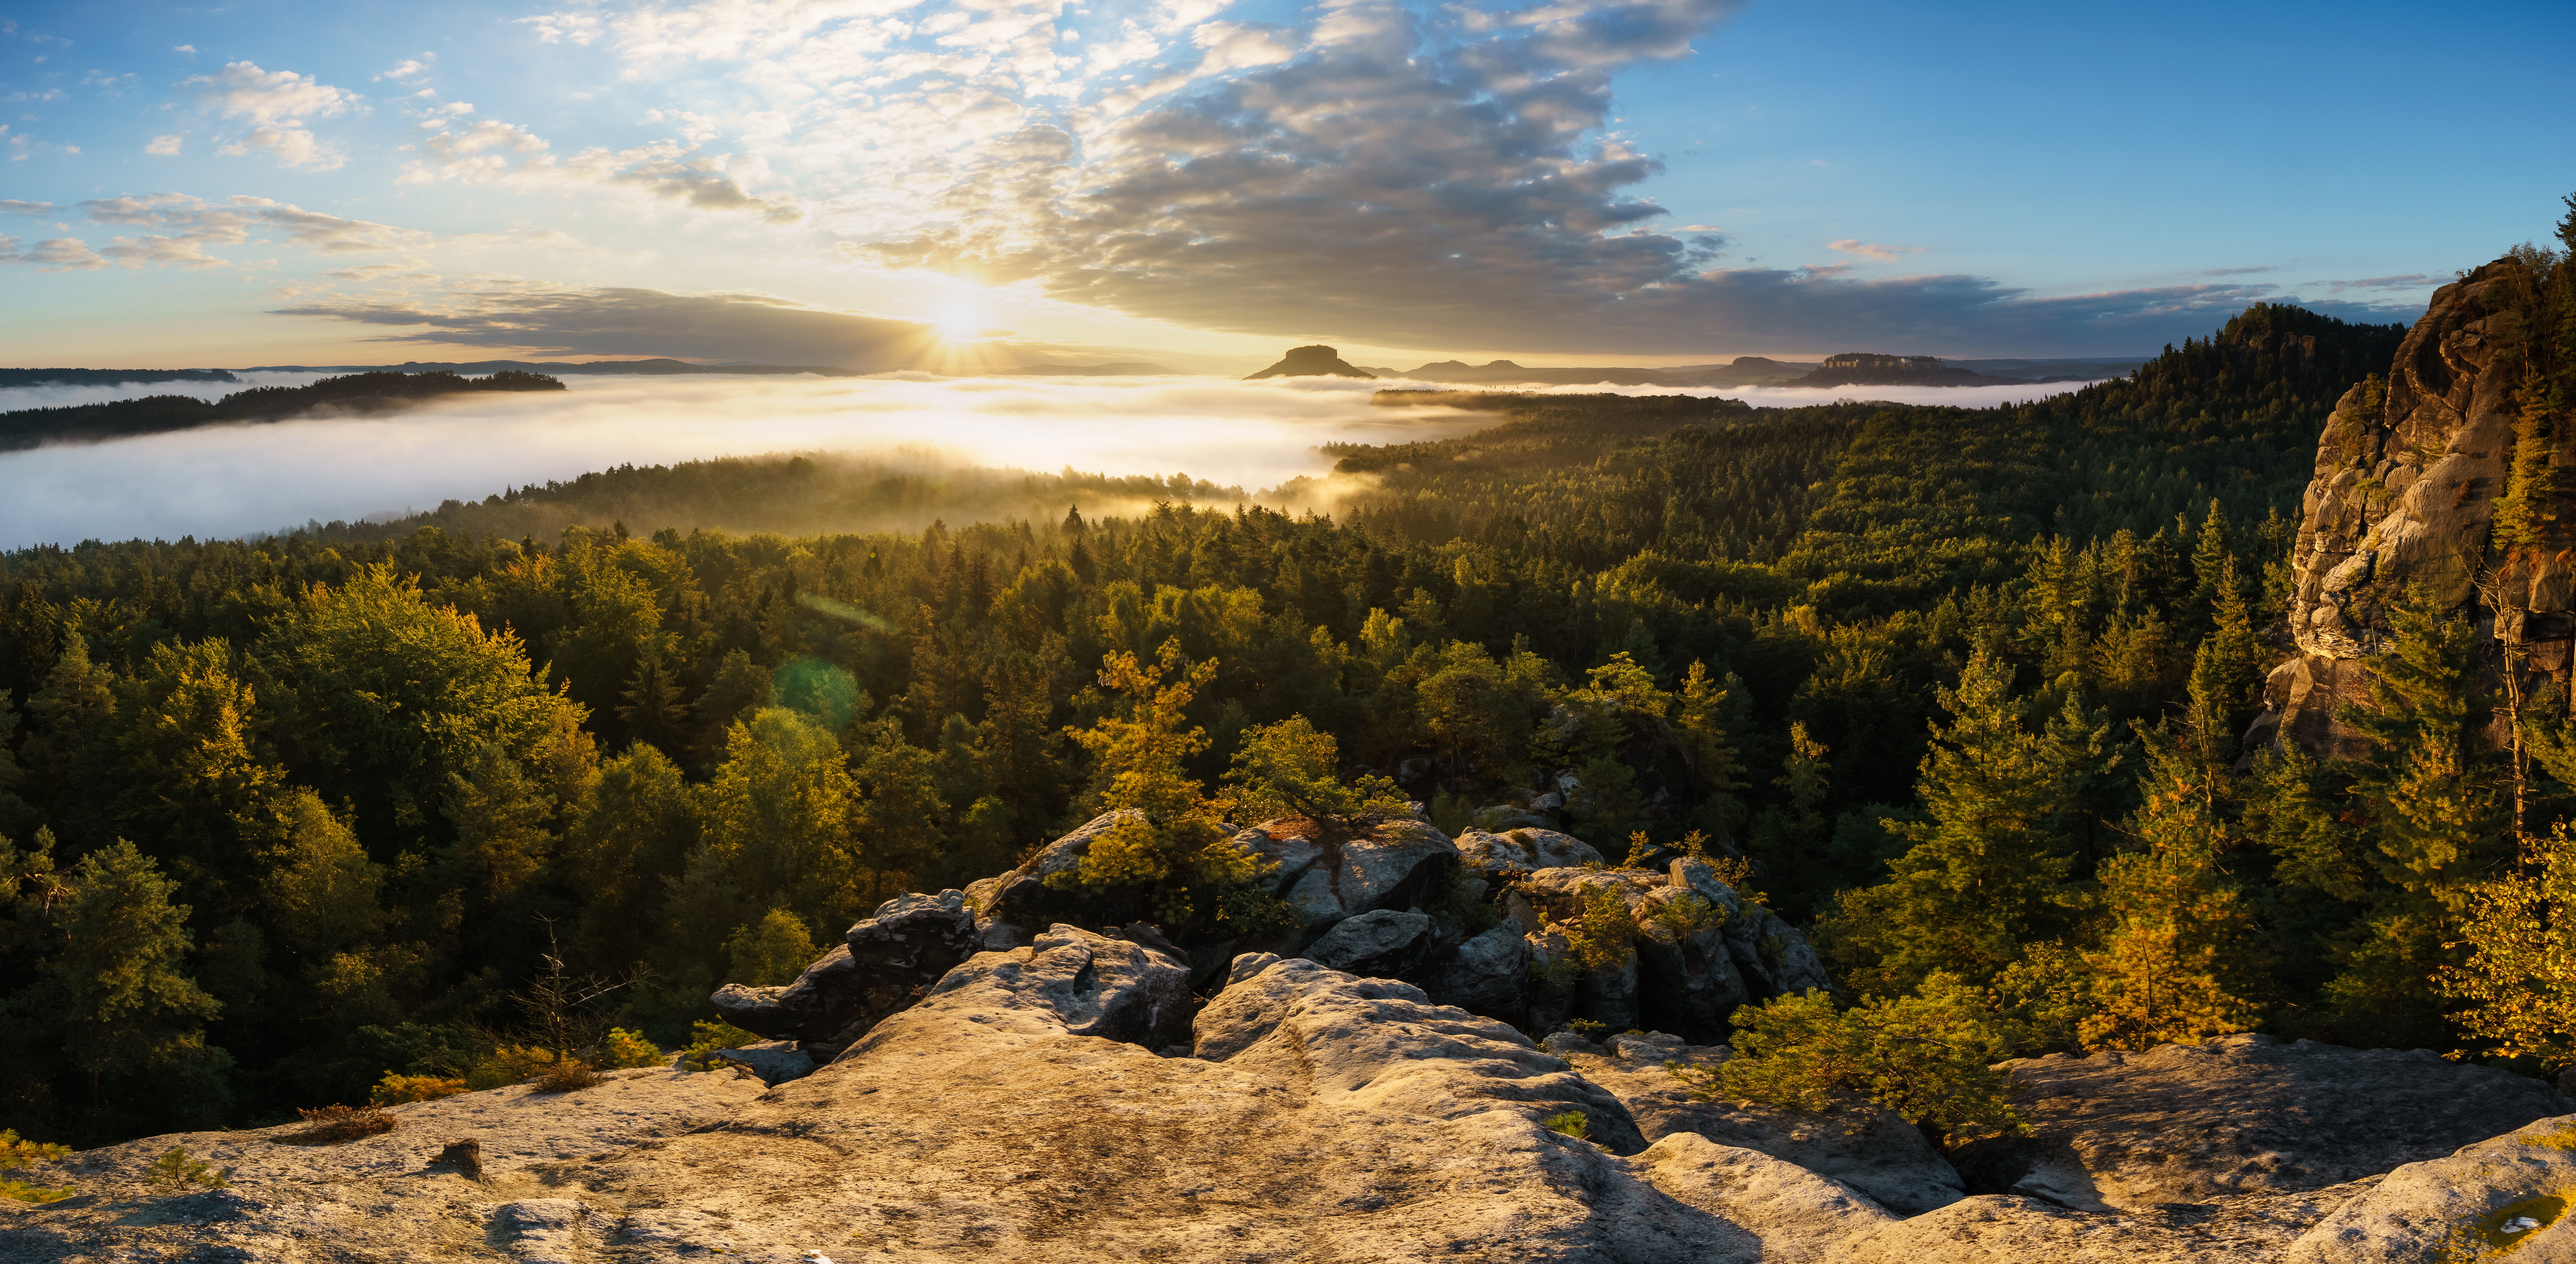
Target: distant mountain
(613, 368)
(108, 377)
(1121, 368)
(365, 394)
(1744, 371)
(1315, 361)
(2075, 370)
(1864, 368)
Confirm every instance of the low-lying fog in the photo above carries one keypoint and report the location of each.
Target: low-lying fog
(248, 479)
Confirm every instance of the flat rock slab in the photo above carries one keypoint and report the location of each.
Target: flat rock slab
(1886, 1159)
(2247, 1114)
(2005, 1229)
(2506, 1195)
(379, 1197)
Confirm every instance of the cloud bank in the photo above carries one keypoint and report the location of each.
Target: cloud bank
(755, 328)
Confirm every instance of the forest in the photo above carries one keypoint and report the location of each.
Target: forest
(1961, 689)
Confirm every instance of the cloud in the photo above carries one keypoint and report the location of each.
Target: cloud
(638, 322)
(113, 85)
(2239, 271)
(664, 170)
(2406, 281)
(276, 103)
(166, 146)
(186, 226)
(60, 254)
(189, 49)
(408, 68)
(1874, 253)
(12, 206)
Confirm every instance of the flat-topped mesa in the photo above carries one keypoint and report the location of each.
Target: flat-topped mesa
(1314, 361)
(2411, 474)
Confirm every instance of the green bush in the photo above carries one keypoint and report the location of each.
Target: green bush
(1926, 1057)
(712, 1036)
(624, 1049)
(174, 1170)
(16, 1154)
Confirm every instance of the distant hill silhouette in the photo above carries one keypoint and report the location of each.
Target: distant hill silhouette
(1315, 361)
(108, 377)
(1863, 368)
(613, 368)
(365, 394)
(1507, 373)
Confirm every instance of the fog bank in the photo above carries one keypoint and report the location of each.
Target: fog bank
(249, 479)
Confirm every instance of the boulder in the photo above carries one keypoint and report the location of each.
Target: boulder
(2245, 1114)
(775, 1062)
(1688, 981)
(1508, 855)
(1312, 898)
(885, 963)
(1796, 1214)
(2003, 1229)
(1383, 944)
(1488, 975)
(1081, 983)
(1007, 905)
(2508, 1194)
(1646, 1048)
(1395, 865)
(1879, 1155)
(1772, 957)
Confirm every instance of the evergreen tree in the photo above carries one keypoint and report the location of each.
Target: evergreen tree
(1171, 844)
(1986, 874)
(127, 1004)
(653, 705)
(2176, 964)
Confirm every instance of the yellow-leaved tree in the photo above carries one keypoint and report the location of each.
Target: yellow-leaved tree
(1170, 842)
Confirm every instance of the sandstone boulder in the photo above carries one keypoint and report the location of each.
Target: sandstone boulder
(1881, 1155)
(1508, 855)
(1488, 975)
(885, 963)
(1382, 944)
(2241, 1115)
(1081, 983)
(1797, 1214)
(2505, 1195)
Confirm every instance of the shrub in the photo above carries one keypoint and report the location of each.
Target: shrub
(509, 1064)
(712, 1036)
(1599, 938)
(1926, 1057)
(567, 1076)
(623, 1049)
(17, 1153)
(1293, 768)
(1687, 914)
(331, 1125)
(397, 1088)
(174, 1170)
(1573, 1123)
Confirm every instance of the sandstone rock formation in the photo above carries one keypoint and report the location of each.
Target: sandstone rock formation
(2243, 1114)
(2404, 496)
(884, 964)
(1315, 361)
(2508, 1194)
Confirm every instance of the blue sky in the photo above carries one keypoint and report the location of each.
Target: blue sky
(886, 184)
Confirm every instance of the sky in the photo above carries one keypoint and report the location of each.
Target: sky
(956, 185)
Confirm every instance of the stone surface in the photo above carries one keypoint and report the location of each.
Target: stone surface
(2247, 1114)
(2403, 495)
(1881, 1156)
(1797, 1215)
(1082, 983)
(775, 1062)
(1510, 854)
(1488, 975)
(2003, 1229)
(1382, 944)
(2509, 1193)
(384, 1197)
(884, 964)
(1395, 865)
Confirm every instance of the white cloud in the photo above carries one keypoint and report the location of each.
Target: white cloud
(277, 104)
(166, 146)
(666, 170)
(1872, 251)
(189, 49)
(12, 206)
(186, 226)
(60, 254)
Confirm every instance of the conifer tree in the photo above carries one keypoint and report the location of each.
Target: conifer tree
(1171, 845)
(127, 1002)
(1988, 872)
(2175, 963)
(500, 815)
(654, 707)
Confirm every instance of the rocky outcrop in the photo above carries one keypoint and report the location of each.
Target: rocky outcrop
(1383, 944)
(2241, 1115)
(885, 963)
(2404, 496)
(1507, 856)
(2507, 1194)
(1072, 980)
(1315, 361)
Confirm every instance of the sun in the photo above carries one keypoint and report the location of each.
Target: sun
(958, 324)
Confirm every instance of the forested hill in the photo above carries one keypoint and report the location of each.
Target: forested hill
(362, 777)
(153, 414)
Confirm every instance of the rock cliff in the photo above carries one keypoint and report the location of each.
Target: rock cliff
(2409, 472)
(1315, 361)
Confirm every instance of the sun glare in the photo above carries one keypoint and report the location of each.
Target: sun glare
(958, 324)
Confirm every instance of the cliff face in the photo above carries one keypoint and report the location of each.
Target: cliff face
(2408, 474)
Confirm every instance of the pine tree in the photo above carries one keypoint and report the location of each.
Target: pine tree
(500, 815)
(127, 1003)
(2173, 966)
(654, 707)
(1987, 873)
(1171, 846)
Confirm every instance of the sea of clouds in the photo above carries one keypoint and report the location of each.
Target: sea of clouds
(234, 480)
